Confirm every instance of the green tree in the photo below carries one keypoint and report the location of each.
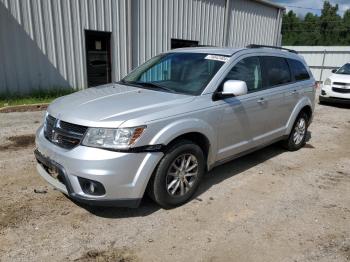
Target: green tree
(290, 28)
(327, 29)
(346, 27)
(310, 34)
(330, 24)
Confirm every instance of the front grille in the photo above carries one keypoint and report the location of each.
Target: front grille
(340, 98)
(340, 84)
(341, 90)
(63, 134)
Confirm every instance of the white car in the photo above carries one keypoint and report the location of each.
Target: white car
(336, 88)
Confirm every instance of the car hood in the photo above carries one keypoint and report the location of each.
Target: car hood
(111, 105)
(340, 78)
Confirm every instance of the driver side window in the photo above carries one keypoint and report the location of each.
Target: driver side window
(249, 71)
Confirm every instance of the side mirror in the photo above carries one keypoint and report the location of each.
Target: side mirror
(232, 88)
(334, 70)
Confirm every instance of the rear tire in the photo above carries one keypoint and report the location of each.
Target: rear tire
(178, 174)
(297, 137)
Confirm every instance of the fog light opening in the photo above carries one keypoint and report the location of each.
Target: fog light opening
(91, 187)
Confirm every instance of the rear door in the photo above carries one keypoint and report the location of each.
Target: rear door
(300, 83)
(277, 85)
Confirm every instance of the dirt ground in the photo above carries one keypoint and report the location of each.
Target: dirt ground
(271, 205)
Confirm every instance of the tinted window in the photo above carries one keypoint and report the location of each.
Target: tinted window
(298, 69)
(276, 71)
(247, 70)
(344, 70)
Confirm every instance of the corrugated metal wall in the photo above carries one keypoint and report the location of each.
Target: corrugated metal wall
(42, 42)
(155, 22)
(322, 59)
(252, 23)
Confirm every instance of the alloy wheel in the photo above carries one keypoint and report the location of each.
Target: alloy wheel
(299, 131)
(182, 174)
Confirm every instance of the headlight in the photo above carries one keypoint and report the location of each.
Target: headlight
(112, 138)
(328, 82)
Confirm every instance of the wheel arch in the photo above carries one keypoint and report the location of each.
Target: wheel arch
(197, 138)
(195, 130)
(304, 105)
(308, 110)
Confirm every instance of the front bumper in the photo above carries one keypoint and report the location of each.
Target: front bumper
(335, 100)
(329, 95)
(123, 175)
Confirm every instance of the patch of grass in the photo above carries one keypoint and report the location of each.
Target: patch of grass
(35, 97)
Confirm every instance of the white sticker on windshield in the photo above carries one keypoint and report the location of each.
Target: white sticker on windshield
(217, 57)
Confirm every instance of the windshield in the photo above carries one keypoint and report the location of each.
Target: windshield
(344, 70)
(186, 73)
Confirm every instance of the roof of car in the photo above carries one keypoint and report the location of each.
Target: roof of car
(229, 51)
(208, 50)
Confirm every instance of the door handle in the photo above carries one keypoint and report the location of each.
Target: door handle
(261, 101)
(294, 92)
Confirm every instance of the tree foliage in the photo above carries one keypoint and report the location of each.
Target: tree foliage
(327, 29)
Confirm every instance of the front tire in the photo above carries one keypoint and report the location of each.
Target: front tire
(321, 101)
(297, 137)
(178, 174)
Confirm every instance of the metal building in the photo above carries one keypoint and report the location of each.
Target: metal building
(79, 43)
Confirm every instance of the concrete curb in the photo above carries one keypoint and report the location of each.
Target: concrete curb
(24, 108)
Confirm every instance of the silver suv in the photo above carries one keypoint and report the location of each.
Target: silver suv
(172, 119)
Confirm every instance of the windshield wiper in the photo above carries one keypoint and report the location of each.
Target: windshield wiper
(146, 84)
(153, 85)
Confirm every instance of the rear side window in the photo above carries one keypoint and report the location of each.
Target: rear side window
(275, 71)
(298, 70)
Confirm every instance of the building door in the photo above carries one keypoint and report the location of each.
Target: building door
(98, 57)
(179, 43)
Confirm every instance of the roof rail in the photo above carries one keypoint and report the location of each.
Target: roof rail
(271, 46)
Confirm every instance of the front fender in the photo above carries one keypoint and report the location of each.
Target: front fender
(184, 126)
(305, 101)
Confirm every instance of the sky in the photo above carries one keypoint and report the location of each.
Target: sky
(312, 6)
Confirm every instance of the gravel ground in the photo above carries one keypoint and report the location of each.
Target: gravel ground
(271, 205)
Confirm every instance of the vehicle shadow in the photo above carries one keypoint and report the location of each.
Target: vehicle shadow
(241, 164)
(337, 105)
(215, 176)
(147, 207)
(237, 166)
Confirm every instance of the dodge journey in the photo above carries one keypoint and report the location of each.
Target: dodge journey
(172, 119)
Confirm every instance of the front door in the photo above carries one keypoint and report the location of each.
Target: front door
(243, 116)
(98, 57)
